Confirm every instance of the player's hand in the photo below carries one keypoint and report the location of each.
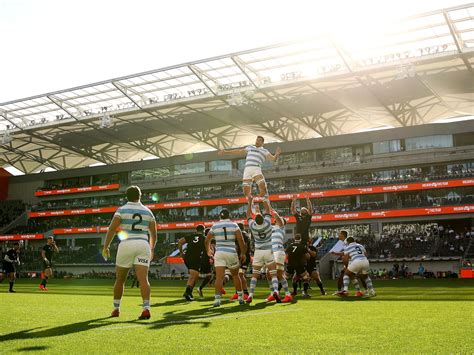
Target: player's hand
(242, 259)
(278, 151)
(106, 253)
(209, 254)
(294, 197)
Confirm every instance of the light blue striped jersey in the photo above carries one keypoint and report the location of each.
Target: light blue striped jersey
(278, 238)
(355, 252)
(134, 220)
(224, 233)
(262, 233)
(255, 156)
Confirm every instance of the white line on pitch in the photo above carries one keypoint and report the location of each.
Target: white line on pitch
(195, 320)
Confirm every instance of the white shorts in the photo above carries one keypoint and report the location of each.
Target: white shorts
(359, 267)
(133, 252)
(262, 257)
(279, 257)
(228, 260)
(251, 171)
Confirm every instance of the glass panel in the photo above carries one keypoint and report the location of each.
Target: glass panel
(191, 168)
(438, 141)
(220, 165)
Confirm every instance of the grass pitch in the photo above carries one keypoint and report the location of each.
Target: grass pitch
(407, 316)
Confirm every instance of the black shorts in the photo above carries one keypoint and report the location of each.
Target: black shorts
(47, 265)
(8, 268)
(311, 268)
(192, 263)
(205, 266)
(298, 269)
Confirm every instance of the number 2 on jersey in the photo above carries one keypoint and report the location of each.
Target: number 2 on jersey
(140, 219)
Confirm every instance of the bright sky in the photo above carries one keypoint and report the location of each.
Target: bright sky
(51, 45)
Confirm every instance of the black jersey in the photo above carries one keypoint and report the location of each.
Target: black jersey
(195, 247)
(302, 225)
(297, 254)
(12, 255)
(48, 251)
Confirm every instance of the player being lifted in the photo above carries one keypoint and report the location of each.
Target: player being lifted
(136, 222)
(226, 233)
(356, 255)
(192, 258)
(261, 229)
(256, 156)
(9, 262)
(47, 256)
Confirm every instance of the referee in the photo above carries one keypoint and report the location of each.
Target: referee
(9, 261)
(47, 256)
(303, 219)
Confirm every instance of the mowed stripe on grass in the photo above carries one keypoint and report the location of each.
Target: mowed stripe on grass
(406, 316)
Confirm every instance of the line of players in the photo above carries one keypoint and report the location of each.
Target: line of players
(227, 246)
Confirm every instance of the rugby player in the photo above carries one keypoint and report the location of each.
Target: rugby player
(135, 222)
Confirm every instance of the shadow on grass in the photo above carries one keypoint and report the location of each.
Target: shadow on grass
(32, 348)
(72, 328)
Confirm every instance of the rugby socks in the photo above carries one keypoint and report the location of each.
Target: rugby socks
(146, 305)
(204, 282)
(270, 284)
(321, 287)
(240, 295)
(275, 283)
(284, 284)
(117, 303)
(362, 281)
(305, 286)
(11, 285)
(253, 284)
(44, 281)
(189, 290)
(340, 282)
(368, 281)
(346, 282)
(295, 286)
(355, 282)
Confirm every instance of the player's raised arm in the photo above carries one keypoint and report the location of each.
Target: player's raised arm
(293, 205)
(274, 157)
(223, 152)
(309, 205)
(110, 235)
(152, 241)
(278, 219)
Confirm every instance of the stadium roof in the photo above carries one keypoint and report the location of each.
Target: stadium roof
(420, 71)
